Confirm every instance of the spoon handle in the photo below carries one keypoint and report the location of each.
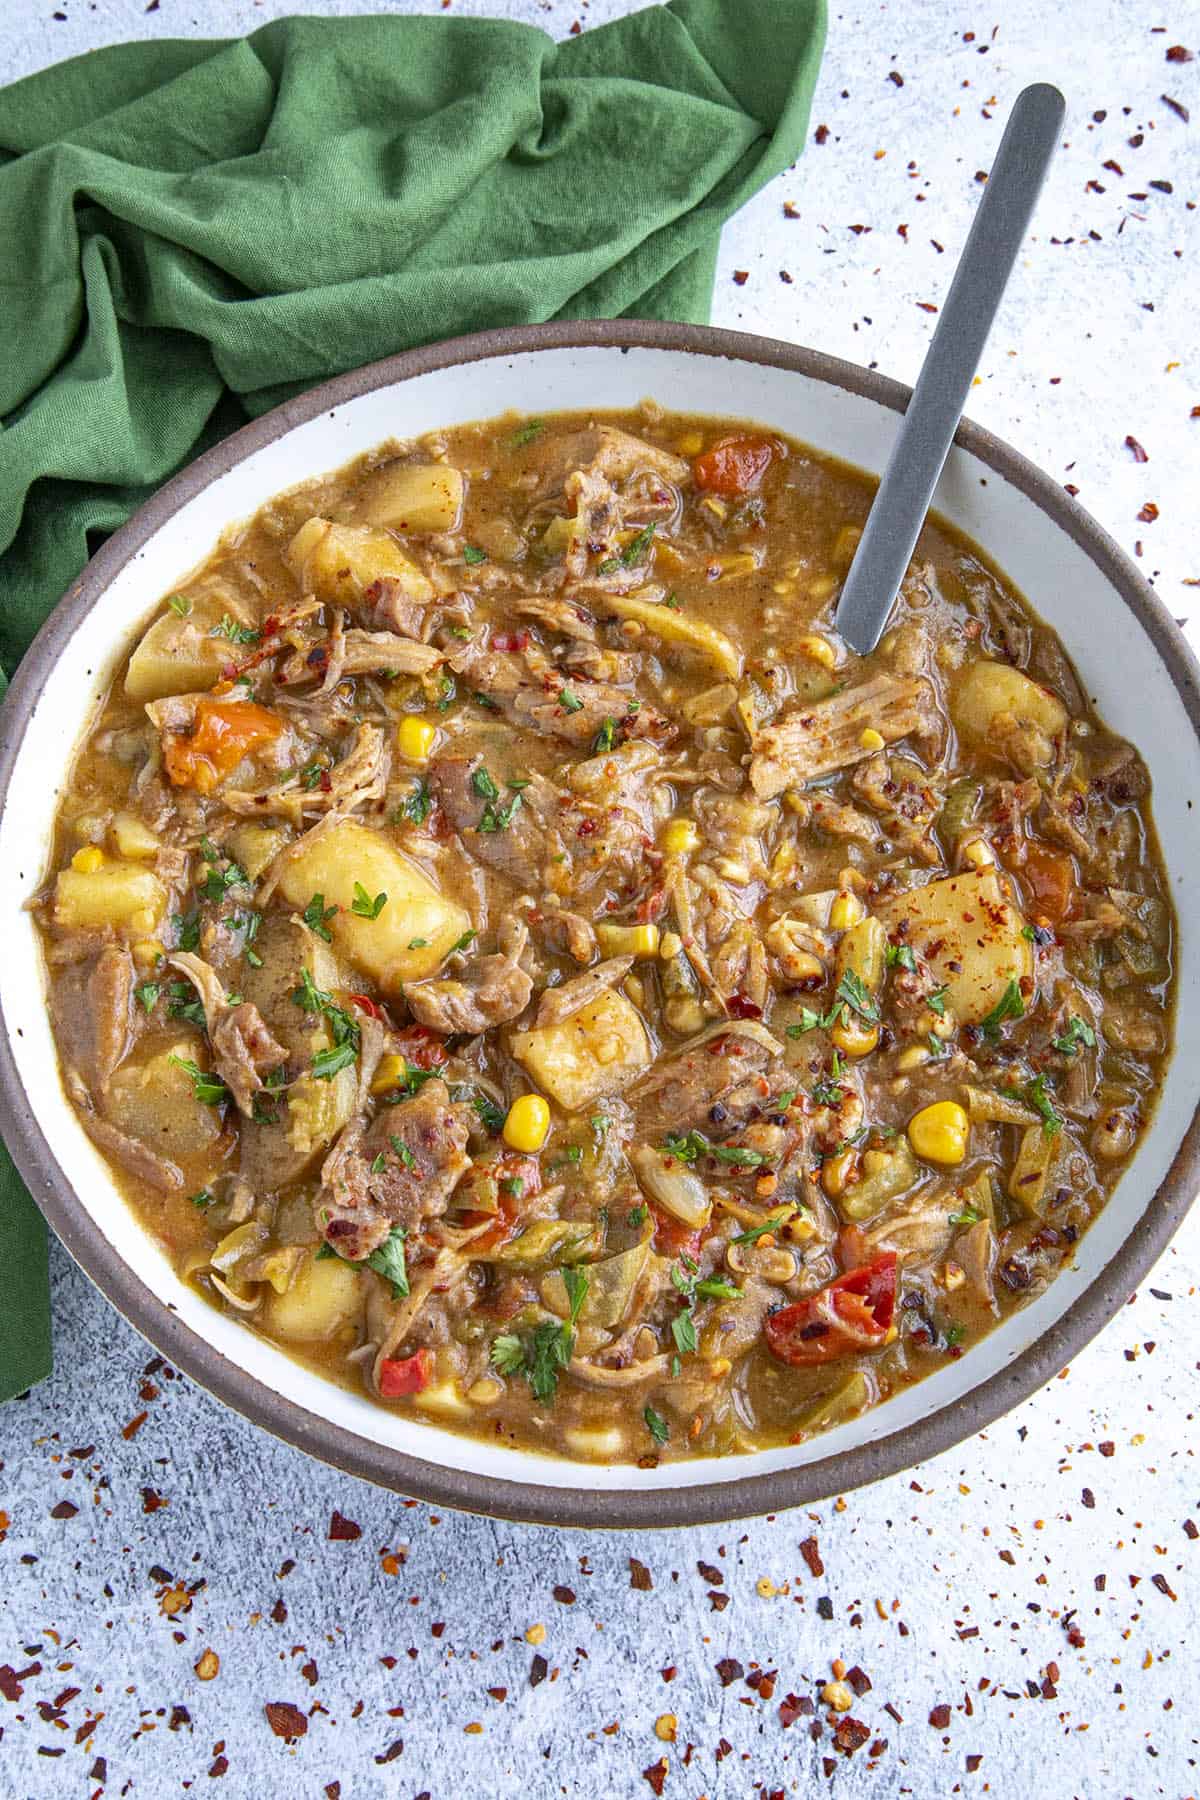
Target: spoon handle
(898, 513)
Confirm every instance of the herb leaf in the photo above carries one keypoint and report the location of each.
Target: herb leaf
(389, 1261)
(146, 994)
(362, 904)
(1037, 1097)
(207, 1087)
(1009, 1006)
(315, 915)
(656, 1425)
(473, 554)
(1078, 1032)
(850, 989)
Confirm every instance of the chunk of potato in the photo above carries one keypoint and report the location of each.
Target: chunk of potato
(416, 928)
(412, 497)
(154, 1100)
(969, 933)
(326, 1295)
(339, 562)
(132, 838)
(125, 896)
(252, 847)
(986, 692)
(598, 1050)
(179, 654)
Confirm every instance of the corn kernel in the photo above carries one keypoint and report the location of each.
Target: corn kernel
(912, 1058)
(670, 945)
(837, 1172)
(415, 738)
(485, 1390)
(800, 1229)
(846, 910)
(716, 507)
(853, 1037)
(939, 1133)
(536, 1634)
(953, 1276)
(147, 953)
(143, 920)
(680, 838)
(719, 1366)
(846, 543)
(665, 1727)
(821, 587)
(870, 739)
(837, 1696)
(817, 649)
(391, 1073)
(88, 860)
(528, 1124)
(690, 444)
(628, 940)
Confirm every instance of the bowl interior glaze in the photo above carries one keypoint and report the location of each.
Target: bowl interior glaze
(1128, 653)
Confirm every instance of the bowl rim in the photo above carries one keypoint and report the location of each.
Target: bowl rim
(435, 1482)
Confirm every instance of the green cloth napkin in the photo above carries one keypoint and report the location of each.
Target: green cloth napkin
(194, 231)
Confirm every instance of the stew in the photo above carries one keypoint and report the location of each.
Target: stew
(513, 955)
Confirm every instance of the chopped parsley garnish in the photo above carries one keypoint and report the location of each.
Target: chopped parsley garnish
(968, 1216)
(901, 954)
(418, 943)
(235, 633)
(850, 989)
(742, 1159)
(473, 554)
(636, 1216)
(464, 942)
(179, 603)
(1078, 1032)
(248, 924)
(362, 904)
(187, 929)
(491, 1114)
(569, 701)
(656, 1425)
(1009, 1006)
(514, 1185)
(687, 1147)
(419, 804)
(328, 1063)
(605, 738)
(146, 993)
(218, 881)
(526, 433)
(311, 773)
(447, 693)
(204, 1198)
(633, 553)
(208, 1088)
(936, 1002)
(389, 1261)
(953, 1335)
(402, 1150)
(499, 818)
(756, 1231)
(379, 1164)
(483, 784)
(184, 1003)
(814, 1021)
(542, 1354)
(315, 915)
(683, 1330)
(1036, 1095)
(715, 1287)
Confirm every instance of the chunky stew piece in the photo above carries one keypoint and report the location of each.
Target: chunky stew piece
(510, 951)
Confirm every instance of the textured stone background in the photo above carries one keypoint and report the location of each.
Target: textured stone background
(142, 1525)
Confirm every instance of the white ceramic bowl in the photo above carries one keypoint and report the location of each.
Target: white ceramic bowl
(1129, 654)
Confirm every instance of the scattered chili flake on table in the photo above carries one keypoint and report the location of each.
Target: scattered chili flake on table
(640, 1576)
(285, 1720)
(343, 1530)
(1139, 455)
(939, 1718)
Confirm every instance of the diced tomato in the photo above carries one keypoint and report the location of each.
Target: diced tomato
(423, 1048)
(510, 640)
(672, 1237)
(405, 1374)
(735, 465)
(652, 906)
(741, 1007)
(365, 1004)
(223, 731)
(850, 1314)
(1050, 878)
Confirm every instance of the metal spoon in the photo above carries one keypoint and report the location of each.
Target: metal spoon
(898, 513)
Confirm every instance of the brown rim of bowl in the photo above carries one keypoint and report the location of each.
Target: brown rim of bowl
(713, 1502)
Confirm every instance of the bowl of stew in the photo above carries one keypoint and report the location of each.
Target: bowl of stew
(499, 993)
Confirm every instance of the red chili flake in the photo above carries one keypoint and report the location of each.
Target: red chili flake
(219, 1766)
(1075, 1637)
(851, 1735)
(365, 1004)
(64, 1510)
(1070, 488)
(902, 231)
(791, 1708)
(858, 1680)
(711, 1573)
(789, 210)
(1148, 513)
(717, 1600)
(729, 1670)
(1190, 1530)
(1178, 54)
(821, 134)
(539, 1668)
(656, 1774)
(740, 1007)
(134, 1426)
(895, 76)
(892, 1713)
(393, 1750)
(564, 1595)
(510, 640)
(640, 1576)
(1087, 1497)
(1162, 187)
(811, 1553)
(1164, 1586)
(785, 277)
(1195, 413)
(740, 277)
(1176, 107)
(973, 1763)
(1108, 1448)
(939, 1718)
(285, 1720)
(1139, 455)
(927, 306)
(152, 1500)
(343, 1530)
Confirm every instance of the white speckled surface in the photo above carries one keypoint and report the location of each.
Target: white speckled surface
(1061, 1537)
